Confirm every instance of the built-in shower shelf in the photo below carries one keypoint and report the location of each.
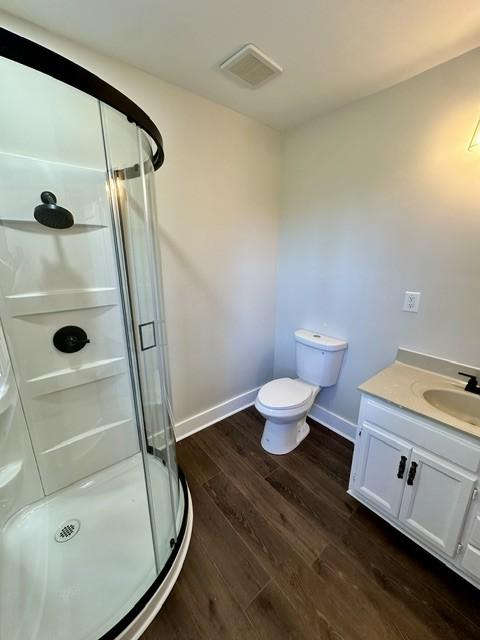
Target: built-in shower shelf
(92, 450)
(32, 226)
(9, 472)
(68, 378)
(96, 432)
(5, 402)
(26, 304)
(5, 389)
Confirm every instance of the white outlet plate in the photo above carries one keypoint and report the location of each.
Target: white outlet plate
(411, 301)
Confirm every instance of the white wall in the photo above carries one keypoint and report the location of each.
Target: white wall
(217, 198)
(380, 197)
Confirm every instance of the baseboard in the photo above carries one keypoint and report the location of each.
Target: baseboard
(334, 422)
(208, 417)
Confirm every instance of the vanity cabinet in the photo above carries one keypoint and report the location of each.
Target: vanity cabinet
(421, 477)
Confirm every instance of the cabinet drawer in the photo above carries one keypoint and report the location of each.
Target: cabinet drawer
(471, 560)
(421, 432)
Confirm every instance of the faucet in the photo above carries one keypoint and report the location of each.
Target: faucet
(472, 384)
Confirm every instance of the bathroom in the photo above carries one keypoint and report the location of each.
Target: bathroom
(328, 215)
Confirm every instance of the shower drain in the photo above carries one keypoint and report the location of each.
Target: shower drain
(67, 530)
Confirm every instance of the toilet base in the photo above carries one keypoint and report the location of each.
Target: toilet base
(280, 438)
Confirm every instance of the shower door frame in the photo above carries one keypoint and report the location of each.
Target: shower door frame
(33, 55)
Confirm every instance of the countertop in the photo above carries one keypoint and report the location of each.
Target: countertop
(403, 385)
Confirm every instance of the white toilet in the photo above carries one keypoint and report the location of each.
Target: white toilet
(285, 402)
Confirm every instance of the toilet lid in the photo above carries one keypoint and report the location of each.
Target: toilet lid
(284, 393)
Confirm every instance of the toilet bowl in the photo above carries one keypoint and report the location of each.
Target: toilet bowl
(286, 402)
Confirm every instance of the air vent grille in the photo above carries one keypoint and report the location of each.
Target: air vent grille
(251, 66)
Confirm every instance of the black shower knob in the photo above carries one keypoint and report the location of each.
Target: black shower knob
(70, 339)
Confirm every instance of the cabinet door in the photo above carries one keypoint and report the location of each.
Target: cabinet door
(435, 502)
(381, 468)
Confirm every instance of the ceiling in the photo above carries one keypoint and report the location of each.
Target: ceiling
(332, 51)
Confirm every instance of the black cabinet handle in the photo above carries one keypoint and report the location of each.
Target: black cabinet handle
(401, 466)
(412, 473)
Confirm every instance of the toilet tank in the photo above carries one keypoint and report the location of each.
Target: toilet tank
(319, 357)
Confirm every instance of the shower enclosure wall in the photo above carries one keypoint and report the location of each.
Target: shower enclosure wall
(94, 515)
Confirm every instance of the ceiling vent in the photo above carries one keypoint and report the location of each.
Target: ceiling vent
(251, 67)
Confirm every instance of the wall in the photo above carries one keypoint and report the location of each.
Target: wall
(380, 197)
(20, 482)
(217, 200)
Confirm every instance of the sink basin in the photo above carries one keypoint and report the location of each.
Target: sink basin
(459, 404)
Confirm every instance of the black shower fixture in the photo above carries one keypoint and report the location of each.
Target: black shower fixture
(70, 339)
(52, 215)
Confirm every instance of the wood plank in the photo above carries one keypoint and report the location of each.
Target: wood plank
(217, 614)
(195, 462)
(300, 532)
(448, 603)
(326, 438)
(377, 613)
(174, 622)
(250, 451)
(333, 464)
(240, 569)
(323, 609)
(252, 423)
(275, 618)
(314, 478)
(316, 507)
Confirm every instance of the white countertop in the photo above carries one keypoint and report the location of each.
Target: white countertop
(403, 385)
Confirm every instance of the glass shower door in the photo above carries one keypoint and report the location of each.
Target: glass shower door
(131, 194)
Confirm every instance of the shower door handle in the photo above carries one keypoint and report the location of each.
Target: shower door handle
(148, 337)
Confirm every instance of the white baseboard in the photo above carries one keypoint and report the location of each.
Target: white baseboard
(334, 422)
(208, 417)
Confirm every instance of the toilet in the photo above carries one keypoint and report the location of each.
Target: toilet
(285, 402)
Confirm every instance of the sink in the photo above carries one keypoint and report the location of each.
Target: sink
(459, 404)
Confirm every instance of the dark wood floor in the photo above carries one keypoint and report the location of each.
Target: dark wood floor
(279, 550)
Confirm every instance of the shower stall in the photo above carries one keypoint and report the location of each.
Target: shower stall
(95, 516)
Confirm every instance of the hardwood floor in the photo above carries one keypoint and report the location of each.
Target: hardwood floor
(280, 551)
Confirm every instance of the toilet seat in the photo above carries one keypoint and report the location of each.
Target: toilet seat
(286, 393)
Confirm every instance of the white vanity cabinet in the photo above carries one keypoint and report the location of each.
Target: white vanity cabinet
(422, 477)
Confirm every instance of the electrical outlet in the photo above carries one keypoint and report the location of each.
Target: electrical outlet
(411, 301)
